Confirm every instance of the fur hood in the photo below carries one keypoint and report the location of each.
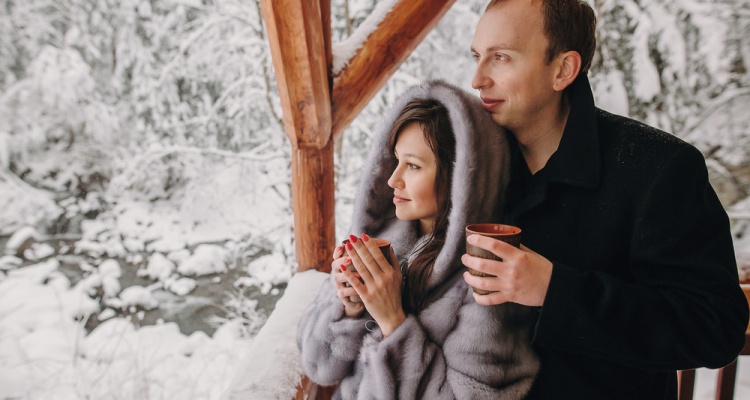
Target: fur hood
(480, 176)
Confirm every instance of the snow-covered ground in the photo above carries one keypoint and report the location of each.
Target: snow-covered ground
(45, 352)
(87, 315)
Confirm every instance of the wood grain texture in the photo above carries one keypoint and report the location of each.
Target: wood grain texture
(384, 50)
(298, 48)
(309, 390)
(313, 201)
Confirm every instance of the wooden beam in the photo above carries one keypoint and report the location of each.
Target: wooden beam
(313, 202)
(405, 26)
(298, 47)
(302, 66)
(325, 14)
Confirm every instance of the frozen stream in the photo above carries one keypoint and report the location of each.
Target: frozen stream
(191, 312)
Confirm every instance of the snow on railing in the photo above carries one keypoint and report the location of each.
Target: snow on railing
(270, 369)
(739, 215)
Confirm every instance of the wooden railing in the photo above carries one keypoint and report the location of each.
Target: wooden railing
(309, 390)
(725, 385)
(725, 382)
(276, 342)
(271, 367)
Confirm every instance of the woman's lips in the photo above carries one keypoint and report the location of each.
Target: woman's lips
(397, 199)
(489, 104)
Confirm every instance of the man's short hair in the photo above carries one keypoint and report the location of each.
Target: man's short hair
(568, 25)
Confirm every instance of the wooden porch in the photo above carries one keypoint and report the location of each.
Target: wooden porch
(317, 108)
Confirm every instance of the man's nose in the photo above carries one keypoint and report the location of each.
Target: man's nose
(479, 80)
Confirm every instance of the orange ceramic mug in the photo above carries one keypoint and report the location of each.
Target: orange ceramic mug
(385, 248)
(506, 233)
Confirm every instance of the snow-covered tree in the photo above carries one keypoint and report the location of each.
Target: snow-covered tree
(154, 100)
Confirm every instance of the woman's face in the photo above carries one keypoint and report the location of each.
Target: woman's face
(413, 180)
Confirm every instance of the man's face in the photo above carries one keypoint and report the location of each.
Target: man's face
(512, 75)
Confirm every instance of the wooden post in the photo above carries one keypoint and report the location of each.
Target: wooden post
(685, 384)
(313, 201)
(300, 60)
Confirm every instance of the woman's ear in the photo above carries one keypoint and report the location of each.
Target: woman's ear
(568, 66)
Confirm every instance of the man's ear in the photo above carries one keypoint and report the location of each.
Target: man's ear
(568, 66)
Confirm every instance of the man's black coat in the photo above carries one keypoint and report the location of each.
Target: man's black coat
(645, 278)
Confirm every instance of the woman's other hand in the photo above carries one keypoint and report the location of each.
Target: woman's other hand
(380, 283)
(344, 291)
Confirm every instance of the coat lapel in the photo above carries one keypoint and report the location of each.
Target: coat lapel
(576, 162)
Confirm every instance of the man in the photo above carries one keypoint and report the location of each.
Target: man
(629, 255)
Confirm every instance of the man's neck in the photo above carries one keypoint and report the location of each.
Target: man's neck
(539, 141)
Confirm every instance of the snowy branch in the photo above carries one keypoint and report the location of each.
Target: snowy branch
(344, 51)
(19, 183)
(716, 105)
(153, 155)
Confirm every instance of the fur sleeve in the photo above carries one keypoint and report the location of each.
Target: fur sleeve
(328, 341)
(485, 353)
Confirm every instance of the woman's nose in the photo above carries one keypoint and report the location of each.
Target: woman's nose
(395, 181)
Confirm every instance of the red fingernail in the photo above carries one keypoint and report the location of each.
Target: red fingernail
(338, 248)
(347, 260)
(353, 238)
(365, 238)
(349, 246)
(343, 268)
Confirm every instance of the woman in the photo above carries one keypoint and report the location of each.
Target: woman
(439, 164)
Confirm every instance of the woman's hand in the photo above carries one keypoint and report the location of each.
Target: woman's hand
(380, 284)
(344, 291)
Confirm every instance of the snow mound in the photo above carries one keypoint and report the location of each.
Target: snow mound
(158, 268)
(181, 286)
(134, 296)
(206, 259)
(21, 238)
(271, 367)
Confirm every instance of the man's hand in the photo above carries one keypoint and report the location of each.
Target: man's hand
(522, 277)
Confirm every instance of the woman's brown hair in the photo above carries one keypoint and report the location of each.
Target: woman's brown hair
(433, 118)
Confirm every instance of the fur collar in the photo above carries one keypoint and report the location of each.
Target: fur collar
(480, 176)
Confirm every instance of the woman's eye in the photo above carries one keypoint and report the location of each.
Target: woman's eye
(412, 166)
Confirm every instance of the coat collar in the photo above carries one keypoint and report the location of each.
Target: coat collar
(577, 159)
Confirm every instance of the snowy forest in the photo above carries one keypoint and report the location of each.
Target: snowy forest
(146, 227)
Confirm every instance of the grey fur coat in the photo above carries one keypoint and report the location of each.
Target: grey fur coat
(454, 348)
